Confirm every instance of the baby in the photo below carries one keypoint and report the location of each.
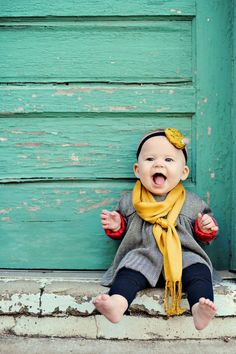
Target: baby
(161, 226)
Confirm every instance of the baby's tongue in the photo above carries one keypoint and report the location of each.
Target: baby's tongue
(159, 179)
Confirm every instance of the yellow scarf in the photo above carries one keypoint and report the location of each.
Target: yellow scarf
(163, 216)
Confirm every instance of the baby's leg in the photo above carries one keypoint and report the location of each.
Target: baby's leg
(197, 283)
(123, 291)
(112, 307)
(203, 312)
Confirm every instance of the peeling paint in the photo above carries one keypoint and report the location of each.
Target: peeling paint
(23, 156)
(34, 208)
(96, 205)
(29, 303)
(208, 198)
(5, 211)
(74, 157)
(6, 219)
(69, 92)
(162, 109)
(55, 304)
(102, 191)
(121, 108)
(178, 12)
(76, 145)
(107, 90)
(29, 144)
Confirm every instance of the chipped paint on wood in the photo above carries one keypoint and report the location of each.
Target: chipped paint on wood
(213, 118)
(99, 8)
(101, 98)
(65, 146)
(72, 114)
(58, 224)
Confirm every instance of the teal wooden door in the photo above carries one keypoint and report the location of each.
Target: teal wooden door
(233, 239)
(81, 82)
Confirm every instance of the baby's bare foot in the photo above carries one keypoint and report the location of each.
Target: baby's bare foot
(203, 312)
(112, 307)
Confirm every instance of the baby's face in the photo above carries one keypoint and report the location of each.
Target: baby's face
(161, 166)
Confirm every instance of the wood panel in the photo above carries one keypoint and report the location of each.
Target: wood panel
(213, 123)
(77, 146)
(97, 98)
(96, 8)
(95, 50)
(80, 83)
(56, 225)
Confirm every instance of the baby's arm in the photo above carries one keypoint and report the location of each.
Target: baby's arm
(113, 224)
(206, 223)
(110, 220)
(205, 228)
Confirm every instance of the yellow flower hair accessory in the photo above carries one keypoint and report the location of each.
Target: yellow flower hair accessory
(176, 138)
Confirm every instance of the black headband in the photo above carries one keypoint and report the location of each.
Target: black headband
(151, 135)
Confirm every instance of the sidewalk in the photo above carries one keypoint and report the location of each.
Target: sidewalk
(59, 304)
(16, 345)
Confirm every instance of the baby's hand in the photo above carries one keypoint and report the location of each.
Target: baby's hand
(206, 223)
(110, 220)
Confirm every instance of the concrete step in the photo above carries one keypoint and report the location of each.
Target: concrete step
(60, 304)
(26, 345)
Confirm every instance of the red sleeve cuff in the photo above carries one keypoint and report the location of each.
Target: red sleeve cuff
(203, 236)
(117, 234)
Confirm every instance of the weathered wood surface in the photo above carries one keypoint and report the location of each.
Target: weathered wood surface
(81, 146)
(15, 8)
(233, 241)
(56, 225)
(95, 51)
(214, 121)
(81, 81)
(97, 98)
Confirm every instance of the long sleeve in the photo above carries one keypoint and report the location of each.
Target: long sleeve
(202, 236)
(115, 235)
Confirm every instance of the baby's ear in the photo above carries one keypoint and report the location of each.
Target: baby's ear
(185, 173)
(136, 170)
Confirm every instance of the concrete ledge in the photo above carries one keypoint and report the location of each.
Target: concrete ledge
(60, 304)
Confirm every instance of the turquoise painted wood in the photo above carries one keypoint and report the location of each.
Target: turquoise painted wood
(99, 50)
(80, 83)
(213, 118)
(233, 239)
(68, 147)
(90, 8)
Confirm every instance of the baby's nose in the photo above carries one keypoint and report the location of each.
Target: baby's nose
(158, 163)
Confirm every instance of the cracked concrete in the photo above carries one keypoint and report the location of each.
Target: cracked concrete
(60, 304)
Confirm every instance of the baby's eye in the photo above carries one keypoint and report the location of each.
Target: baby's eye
(149, 159)
(168, 159)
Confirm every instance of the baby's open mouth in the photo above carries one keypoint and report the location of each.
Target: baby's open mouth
(158, 178)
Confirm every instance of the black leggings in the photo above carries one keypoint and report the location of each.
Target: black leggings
(196, 282)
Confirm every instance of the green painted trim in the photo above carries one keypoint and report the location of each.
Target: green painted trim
(13, 8)
(233, 238)
(213, 117)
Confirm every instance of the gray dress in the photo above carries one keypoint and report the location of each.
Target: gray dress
(138, 249)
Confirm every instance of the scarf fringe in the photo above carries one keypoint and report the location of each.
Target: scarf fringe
(173, 291)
